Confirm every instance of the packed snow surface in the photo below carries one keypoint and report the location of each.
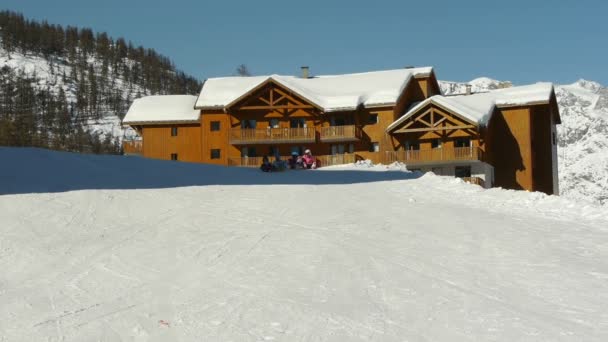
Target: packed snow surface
(145, 250)
(161, 108)
(329, 92)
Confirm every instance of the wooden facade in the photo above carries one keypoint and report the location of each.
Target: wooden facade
(518, 142)
(273, 120)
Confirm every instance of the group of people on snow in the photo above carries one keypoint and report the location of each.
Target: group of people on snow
(296, 161)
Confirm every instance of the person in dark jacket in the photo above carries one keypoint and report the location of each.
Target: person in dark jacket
(266, 165)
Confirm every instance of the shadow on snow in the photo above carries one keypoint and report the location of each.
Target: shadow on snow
(32, 170)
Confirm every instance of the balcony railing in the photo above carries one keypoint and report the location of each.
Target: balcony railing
(341, 133)
(132, 147)
(272, 135)
(247, 161)
(434, 155)
(337, 159)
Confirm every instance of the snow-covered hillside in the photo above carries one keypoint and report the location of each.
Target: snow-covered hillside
(50, 74)
(583, 135)
(352, 253)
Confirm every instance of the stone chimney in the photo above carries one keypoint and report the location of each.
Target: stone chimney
(468, 87)
(305, 71)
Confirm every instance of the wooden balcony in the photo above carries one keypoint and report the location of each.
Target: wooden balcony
(336, 159)
(436, 155)
(272, 135)
(341, 133)
(132, 147)
(247, 161)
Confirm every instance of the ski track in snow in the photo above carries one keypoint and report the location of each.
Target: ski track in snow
(427, 259)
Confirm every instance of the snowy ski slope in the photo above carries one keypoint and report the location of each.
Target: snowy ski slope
(100, 248)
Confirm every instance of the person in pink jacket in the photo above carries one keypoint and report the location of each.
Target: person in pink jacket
(309, 161)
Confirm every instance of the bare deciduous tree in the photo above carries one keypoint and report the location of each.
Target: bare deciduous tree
(243, 70)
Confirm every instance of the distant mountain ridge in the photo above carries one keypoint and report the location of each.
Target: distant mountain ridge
(582, 136)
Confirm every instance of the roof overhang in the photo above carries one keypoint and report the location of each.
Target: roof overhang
(159, 123)
(423, 104)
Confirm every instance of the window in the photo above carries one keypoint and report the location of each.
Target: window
(173, 156)
(412, 145)
(215, 153)
(374, 147)
(248, 152)
(297, 149)
(342, 120)
(173, 131)
(462, 142)
(462, 171)
(436, 143)
(297, 123)
(338, 149)
(215, 126)
(273, 151)
(372, 119)
(274, 123)
(245, 124)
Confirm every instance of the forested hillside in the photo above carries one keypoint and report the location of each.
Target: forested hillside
(60, 86)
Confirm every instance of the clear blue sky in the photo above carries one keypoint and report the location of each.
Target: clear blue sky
(521, 41)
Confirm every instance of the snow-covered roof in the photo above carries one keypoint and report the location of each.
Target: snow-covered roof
(478, 107)
(328, 92)
(162, 108)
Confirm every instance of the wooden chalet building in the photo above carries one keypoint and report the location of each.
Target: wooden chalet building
(504, 137)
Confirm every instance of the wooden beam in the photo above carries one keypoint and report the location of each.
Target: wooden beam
(440, 121)
(279, 100)
(424, 122)
(264, 100)
(434, 129)
(408, 124)
(288, 96)
(455, 118)
(271, 97)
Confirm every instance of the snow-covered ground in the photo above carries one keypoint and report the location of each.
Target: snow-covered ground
(145, 250)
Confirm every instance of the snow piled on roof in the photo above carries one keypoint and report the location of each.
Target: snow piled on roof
(162, 108)
(329, 92)
(479, 107)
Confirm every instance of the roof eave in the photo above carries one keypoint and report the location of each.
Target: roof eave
(158, 122)
(423, 74)
(209, 107)
(380, 105)
(528, 103)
